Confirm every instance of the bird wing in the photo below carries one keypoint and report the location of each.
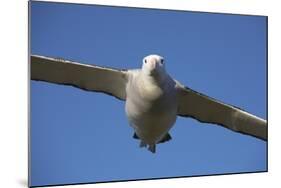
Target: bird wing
(208, 110)
(86, 77)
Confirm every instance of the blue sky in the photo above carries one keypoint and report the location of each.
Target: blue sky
(79, 136)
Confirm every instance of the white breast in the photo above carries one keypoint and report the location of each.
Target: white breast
(150, 108)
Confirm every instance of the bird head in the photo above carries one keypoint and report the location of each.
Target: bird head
(153, 65)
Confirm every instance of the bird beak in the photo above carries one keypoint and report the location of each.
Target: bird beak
(153, 65)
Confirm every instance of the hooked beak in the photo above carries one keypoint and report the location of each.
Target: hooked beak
(154, 71)
(153, 67)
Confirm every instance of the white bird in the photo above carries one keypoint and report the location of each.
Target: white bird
(153, 98)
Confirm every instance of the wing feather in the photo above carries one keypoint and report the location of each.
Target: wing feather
(86, 77)
(208, 110)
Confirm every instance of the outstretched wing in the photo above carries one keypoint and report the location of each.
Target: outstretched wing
(207, 110)
(86, 77)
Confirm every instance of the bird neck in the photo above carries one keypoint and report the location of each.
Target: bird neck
(156, 80)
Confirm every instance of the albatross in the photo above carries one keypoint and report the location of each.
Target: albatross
(153, 99)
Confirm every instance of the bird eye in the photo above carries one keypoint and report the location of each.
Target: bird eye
(162, 61)
(145, 61)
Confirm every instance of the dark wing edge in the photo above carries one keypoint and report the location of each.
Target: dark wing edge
(208, 110)
(83, 76)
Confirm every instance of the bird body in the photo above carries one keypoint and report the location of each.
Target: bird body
(151, 107)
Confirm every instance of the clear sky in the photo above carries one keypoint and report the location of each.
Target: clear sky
(79, 136)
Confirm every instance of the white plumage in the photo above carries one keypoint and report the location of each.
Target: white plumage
(153, 98)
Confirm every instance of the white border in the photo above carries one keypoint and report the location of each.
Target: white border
(225, 6)
(13, 100)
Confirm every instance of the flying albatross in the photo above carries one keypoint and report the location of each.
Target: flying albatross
(153, 99)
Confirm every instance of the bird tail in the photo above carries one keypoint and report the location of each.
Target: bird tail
(152, 148)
